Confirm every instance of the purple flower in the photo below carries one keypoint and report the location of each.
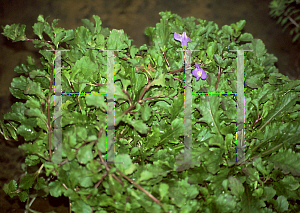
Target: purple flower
(199, 73)
(182, 38)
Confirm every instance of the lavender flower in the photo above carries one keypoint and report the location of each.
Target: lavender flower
(199, 73)
(182, 38)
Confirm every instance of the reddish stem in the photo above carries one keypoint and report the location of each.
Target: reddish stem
(258, 119)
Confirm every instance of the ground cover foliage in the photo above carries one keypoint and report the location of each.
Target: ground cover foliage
(287, 12)
(149, 117)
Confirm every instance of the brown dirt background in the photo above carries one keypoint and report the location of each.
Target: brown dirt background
(133, 16)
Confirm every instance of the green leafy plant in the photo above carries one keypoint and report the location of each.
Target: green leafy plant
(288, 13)
(149, 92)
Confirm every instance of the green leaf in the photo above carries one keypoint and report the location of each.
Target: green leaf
(84, 71)
(209, 108)
(133, 51)
(41, 183)
(102, 143)
(71, 194)
(18, 112)
(282, 204)
(284, 103)
(56, 188)
(245, 37)
(27, 132)
(14, 32)
(88, 24)
(33, 148)
(41, 18)
(127, 167)
(68, 35)
(216, 140)
(228, 129)
(296, 37)
(225, 203)
(73, 118)
(218, 59)
(213, 160)
(249, 203)
(35, 112)
(119, 94)
(287, 162)
(99, 41)
(258, 48)
(19, 84)
(35, 73)
(49, 31)
(178, 106)
(85, 154)
(54, 23)
(181, 191)
(290, 183)
(159, 81)
(163, 190)
(255, 81)
(139, 125)
(173, 131)
(145, 175)
(91, 138)
(153, 139)
(84, 178)
(98, 24)
(125, 83)
(8, 131)
(211, 49)
(116, 40)
(261, 94)
(32, 160)
(114, 189)
(96, 100)
(162, 34)
(150, 32)
(227, 29)
(119, 116)
(38, 29)
(10, 187)
(81, 206)
(259, 165)
(146, 112)
(240, 25)
(235, 186)
(134, 151)
(58, 38)
(23, 196)
(48, 55)
(269, 193)
(82, 37)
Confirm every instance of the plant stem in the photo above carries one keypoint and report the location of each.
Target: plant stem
(139, 187)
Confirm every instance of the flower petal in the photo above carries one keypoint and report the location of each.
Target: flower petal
(195, 72)
(204, 75)
(182, 38)
(185, 39)
(177, 36)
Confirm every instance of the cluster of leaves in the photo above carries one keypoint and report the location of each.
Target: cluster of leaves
(288, 13)
(149, 117)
